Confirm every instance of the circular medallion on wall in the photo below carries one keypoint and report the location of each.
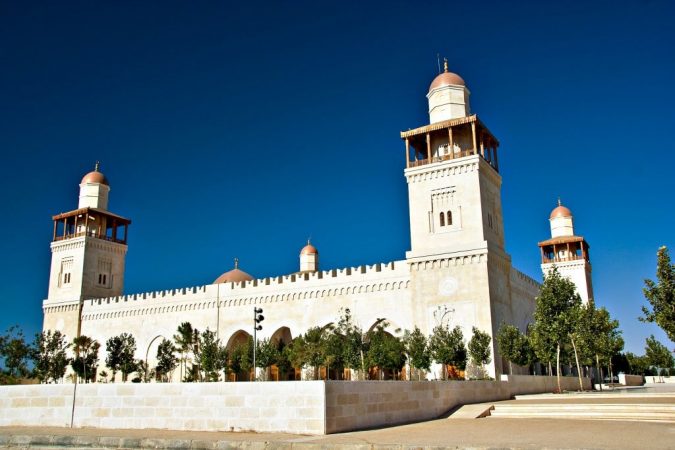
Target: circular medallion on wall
(447, 286)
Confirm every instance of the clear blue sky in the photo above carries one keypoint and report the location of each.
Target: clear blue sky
(236, 130)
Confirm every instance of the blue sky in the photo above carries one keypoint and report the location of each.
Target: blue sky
(230, 130)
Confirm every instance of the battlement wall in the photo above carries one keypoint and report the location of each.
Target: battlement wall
(336, 282)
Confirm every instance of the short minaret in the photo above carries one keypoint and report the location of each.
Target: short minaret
(309, 258)
(567, 252)
(94, 190)
(448, 97)
(89, 247)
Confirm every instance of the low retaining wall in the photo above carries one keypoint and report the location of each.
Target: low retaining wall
(653, 379)
(303, 407)
(530, 384)
(293, 406)
(631, 380)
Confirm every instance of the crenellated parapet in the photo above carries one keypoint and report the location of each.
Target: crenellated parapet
(364, 279)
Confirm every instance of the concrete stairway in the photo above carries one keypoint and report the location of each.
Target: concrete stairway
(633, 412)
(569, 409)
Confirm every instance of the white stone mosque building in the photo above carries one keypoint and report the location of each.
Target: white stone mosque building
(457, 271)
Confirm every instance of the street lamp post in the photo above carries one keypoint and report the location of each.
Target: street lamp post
(257, 318)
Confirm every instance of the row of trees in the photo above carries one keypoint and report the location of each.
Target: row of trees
(200, 356)
(563, 330)
(373, 354)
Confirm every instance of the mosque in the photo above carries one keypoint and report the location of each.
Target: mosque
(457, 271)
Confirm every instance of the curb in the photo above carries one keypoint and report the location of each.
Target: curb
(53, 442)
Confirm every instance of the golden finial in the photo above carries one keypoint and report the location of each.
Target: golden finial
(559, 202)
(445, 64)
(96, 166)
(236, 263)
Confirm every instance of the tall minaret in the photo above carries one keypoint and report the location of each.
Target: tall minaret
(89, 247)
(454, 186)
(567, 252)
(457, 259)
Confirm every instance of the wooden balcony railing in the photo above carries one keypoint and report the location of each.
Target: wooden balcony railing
(449, 156)
(562, 259)
(90, 234)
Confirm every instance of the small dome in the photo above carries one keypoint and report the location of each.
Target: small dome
(446, 79)
(95, 177)
(233, 276)
(309, 249)
(560, 211)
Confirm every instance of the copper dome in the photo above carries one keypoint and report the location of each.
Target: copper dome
(446, 79)
(309, 249)
(560, 211)
(95, 177)
(233, 276)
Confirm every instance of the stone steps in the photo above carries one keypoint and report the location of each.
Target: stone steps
(602, 411)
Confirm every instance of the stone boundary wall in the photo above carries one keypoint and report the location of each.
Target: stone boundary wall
(631, 380)
(358, 405)
(537, 384)
(292, 406)
(302, 407)
(659, 380)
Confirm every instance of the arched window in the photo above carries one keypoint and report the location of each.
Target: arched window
(449, 218)
(442, 219)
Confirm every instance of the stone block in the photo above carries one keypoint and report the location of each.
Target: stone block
(20, 402)
(56, 402)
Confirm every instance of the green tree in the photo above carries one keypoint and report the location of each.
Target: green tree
(513, 346)
(266, 355)
(209, 355)
(658, 355)
(353, 350)
(417, 349)
(638, 365)
(385, 351)
(15, 353)
(241, 358)
(86, 357)
(166, 360)
(49, 356)
(283, 362)
(599, 336)
(184, 342)
(557, 310)
(312, 349)
(121, 350)
(661, 295)
(447, 348)
(480, 349)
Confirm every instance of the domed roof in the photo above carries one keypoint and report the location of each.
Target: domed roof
(95, 177)
(233, 276)
(446, 79)
(560, 211)
(309, 249)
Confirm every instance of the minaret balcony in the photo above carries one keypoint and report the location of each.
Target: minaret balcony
(448, 140)
(91, 222)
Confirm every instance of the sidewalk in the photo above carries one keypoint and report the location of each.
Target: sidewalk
(441, 433)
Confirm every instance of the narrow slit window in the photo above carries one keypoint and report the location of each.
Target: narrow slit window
(442, 219)
(449, 218)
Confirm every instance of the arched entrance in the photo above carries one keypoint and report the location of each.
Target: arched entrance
(283, 371)
(240, 354)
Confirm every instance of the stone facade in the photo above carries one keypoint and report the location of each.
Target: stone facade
(457, 271)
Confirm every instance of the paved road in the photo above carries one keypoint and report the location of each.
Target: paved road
(442, 433)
